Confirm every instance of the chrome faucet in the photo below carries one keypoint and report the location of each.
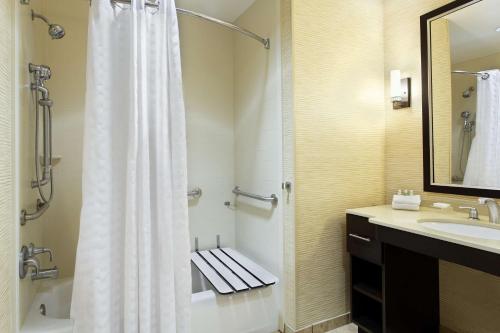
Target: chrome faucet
(493, 209)
(28, 259)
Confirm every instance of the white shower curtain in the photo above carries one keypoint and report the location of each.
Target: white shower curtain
(483, 165)
(133, 261)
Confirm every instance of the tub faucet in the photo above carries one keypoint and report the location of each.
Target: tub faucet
(51, 273)
(28, 259)
(493, 209)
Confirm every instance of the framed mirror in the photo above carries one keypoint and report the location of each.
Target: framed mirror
(460, 44)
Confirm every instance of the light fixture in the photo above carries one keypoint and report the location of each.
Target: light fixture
(400, 90)
(497, 29)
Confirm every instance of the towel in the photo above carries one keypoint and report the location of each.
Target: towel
(400, 206)
(407, 199)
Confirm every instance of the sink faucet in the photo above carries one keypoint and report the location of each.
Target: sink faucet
(493, 209)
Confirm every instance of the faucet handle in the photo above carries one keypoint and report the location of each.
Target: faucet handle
(33, 251)
(473, 213)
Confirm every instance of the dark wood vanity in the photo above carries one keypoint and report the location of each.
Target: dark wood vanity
(395, 276)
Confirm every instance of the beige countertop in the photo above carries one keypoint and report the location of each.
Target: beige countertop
(408, 221)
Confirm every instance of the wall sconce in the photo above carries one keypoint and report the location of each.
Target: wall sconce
(400, 91)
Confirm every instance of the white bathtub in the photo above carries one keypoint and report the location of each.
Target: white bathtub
(56, 297)
(255, 311)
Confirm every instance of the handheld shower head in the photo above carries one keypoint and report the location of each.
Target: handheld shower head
(56, 31)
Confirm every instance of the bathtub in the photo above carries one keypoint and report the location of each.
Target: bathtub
(254, 311)
(55, 297)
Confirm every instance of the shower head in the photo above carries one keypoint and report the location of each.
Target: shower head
(56, 31)
(467, 92)
(465, 114)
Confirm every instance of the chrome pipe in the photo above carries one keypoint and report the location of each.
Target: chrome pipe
(41, 207)
(272, 198)
(154, 4)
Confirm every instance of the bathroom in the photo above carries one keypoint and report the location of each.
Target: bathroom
(301, 121)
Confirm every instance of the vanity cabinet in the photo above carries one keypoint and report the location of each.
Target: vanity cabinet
(393, 290)
(366, 274)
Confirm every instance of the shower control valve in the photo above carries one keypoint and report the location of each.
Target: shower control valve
(42, 72)
(33, 251)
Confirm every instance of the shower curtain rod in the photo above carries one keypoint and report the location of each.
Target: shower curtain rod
(483, 76)
(264, 41)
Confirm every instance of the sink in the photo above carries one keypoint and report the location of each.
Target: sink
(463, 228)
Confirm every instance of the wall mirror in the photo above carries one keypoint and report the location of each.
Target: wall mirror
(461, 98)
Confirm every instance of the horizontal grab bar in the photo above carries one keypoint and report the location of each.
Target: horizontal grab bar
(195, 193)
(272, 199)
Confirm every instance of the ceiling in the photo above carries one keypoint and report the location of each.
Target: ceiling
(228, 10)
(472, 31)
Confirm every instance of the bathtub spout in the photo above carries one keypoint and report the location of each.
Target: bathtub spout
(51, 273)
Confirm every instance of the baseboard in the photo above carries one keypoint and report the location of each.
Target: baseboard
(324, 326)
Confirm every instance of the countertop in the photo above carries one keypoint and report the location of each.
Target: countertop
(408, 221)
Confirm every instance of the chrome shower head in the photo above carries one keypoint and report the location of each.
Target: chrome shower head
(56, 31)
(467, 92)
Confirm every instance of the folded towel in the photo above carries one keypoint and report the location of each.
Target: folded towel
(407, 199)
(400, 206)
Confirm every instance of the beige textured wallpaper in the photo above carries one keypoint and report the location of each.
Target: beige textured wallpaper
(339, 141)
(7, 226)
(470, 300)
(442, 101)
(288, 283)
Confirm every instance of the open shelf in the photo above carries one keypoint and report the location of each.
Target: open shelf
(368, 290)
(366, 296)
(368, 325)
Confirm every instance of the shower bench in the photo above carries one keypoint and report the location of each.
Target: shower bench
(230, 271)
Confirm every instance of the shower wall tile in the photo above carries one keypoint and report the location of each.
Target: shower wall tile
(7, 153)
(339, 142)
(258, 139)
(67, 58)
(208, 75)
(470, 300)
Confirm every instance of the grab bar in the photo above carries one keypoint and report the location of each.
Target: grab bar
(195, 193)
(272, 199)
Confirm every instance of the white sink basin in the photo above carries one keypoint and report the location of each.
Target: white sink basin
(462, 228)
